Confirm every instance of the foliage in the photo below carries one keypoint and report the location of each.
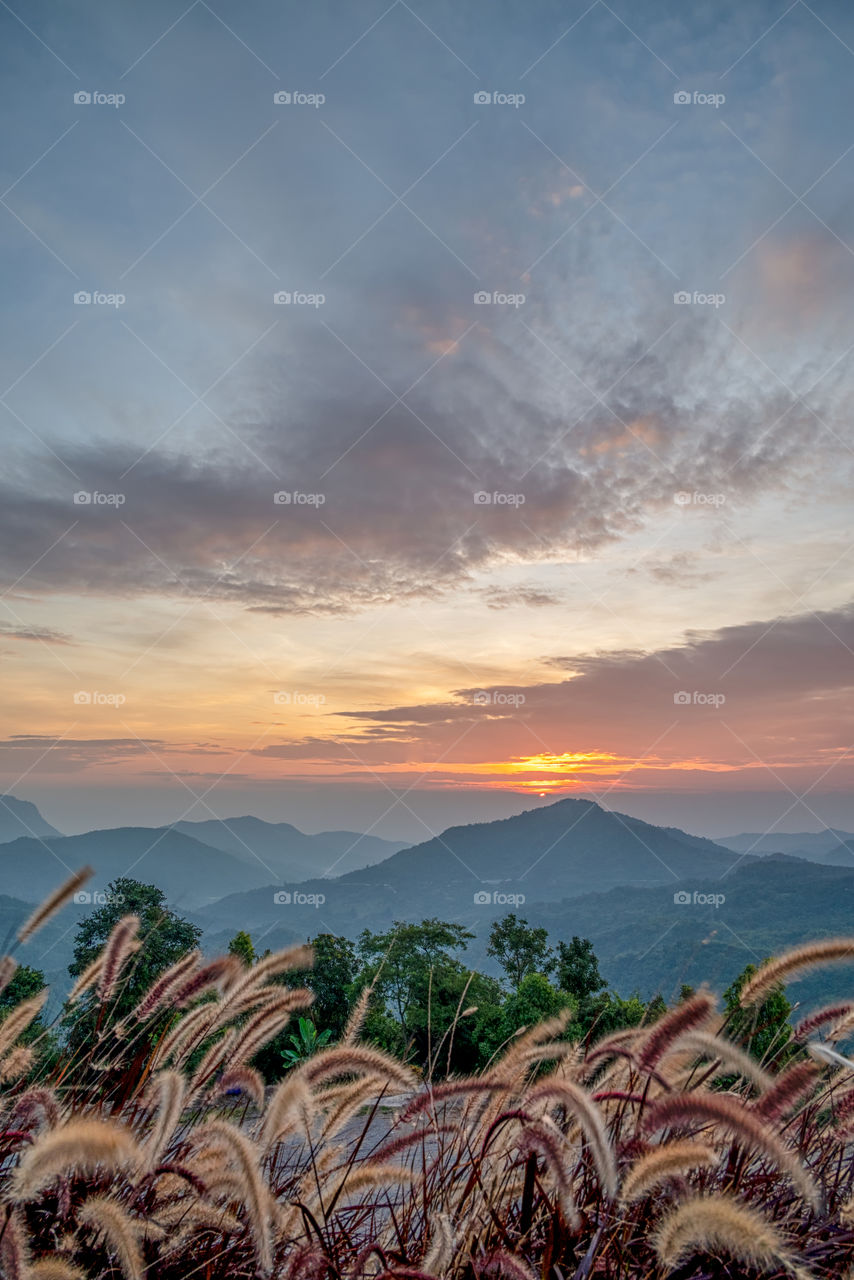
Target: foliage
(305, 1042)
(241, 945)
(762, 1031)
(519, 949)
(614, 1159)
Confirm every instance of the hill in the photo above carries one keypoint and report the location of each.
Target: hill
(567, 849)
(21, 818)
(190, 873)
(286, 852)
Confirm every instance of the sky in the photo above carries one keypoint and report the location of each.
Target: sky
(418, 412)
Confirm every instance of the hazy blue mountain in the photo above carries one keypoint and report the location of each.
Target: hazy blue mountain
(21, 818)
(189, 872)
(645, 939)
(813, 845)
(564, 850)
(285, 851)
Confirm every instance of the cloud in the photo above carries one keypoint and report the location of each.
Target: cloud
(23, 632)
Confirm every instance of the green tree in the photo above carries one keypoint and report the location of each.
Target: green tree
(331, 980)
(26, 983)
(418, 983)
(764, 1031)
(578, 969)
(535, 1000)
(241, 945)
(164, 938)
(520, 949)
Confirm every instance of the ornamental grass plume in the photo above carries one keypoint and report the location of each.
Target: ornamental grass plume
(730, 1114)
(719, 1224)
(118, 1231)
(800, 959)
(78, 1147)
(619, 1159)
(672, 1160)
(120, 946)
(55, 902)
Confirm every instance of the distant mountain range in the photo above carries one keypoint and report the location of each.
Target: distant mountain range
(564, 850)
(833, 847)
(193, 862)
(288, 853)
(660, 906)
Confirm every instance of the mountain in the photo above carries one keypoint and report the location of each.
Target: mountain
(812, 845)
(190, 873)
(21, 818)
(645, 939)
(564, 850)
(287, 853)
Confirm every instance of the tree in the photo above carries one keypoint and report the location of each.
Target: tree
(241, 945)
(418, 983)
(164, 938)
(578, 969)
(331, 979)
(535, 1000)
(520, 949)
(25, 983)
(764, 1031)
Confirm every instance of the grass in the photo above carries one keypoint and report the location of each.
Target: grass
(657, 1151)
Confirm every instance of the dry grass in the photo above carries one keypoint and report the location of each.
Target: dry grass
(624, 1160)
